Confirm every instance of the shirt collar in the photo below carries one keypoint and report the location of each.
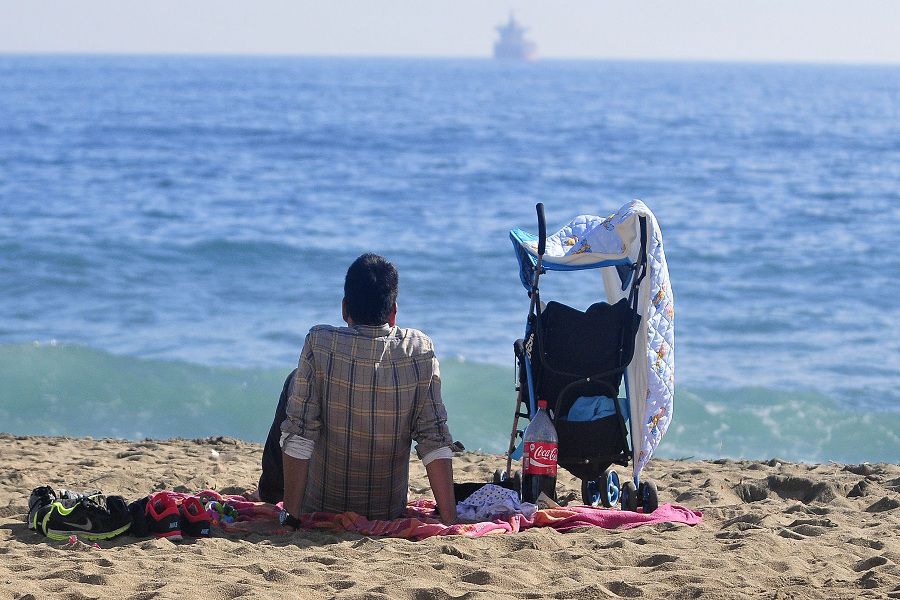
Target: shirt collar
(373, 330)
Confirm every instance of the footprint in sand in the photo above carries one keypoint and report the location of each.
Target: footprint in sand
(230, 591)
(746, 521)
(862, 469)
(885, 504)
(873, 544)
(151, 586)
(801, 488)
(325, 560)
(870, 580)
(791, 535)
(341, 584)
(860, 489)
(811, 527)
(870, 563)
(277, 576)
(752, 491)
(656, 560)
(624, 589)
(453, 551)
(480, 577)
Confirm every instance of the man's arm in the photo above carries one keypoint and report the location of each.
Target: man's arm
(300, 429)
(433, 442)
(295, 471)
(440, 476)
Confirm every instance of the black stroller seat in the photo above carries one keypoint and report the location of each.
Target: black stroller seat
(578, 345)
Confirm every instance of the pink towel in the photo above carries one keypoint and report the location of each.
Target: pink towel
(570, 517)
(419, 523)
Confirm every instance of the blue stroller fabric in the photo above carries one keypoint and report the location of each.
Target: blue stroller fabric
(592, 408)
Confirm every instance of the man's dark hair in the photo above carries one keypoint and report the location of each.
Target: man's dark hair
(370, 289)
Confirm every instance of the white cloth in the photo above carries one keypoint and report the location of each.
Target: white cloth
(296, 446)
(444, 452)
(491, 502)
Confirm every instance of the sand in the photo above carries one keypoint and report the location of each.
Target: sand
(770, 530)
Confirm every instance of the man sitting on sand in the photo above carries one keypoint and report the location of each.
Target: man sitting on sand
(350, 411)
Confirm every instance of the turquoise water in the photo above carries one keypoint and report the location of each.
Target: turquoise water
(81, 391)
(171, 227)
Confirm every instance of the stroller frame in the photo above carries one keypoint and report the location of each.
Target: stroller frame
(598, 485)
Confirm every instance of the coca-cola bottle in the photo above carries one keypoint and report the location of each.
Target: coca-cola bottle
(539, 457)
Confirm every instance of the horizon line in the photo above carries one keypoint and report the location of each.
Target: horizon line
(486, 57)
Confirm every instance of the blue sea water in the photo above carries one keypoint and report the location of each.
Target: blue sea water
(170, 227)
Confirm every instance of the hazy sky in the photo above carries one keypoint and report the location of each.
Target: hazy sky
(796, 30)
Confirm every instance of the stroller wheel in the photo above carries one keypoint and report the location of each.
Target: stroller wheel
(590, 492)
(499, 476)
(612, 489)
(649, 497)
(601, 492)
(629, 496)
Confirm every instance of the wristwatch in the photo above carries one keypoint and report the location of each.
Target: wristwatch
(287, 519)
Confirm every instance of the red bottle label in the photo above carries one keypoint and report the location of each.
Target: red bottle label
(540, 458)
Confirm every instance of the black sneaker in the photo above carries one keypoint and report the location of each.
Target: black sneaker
(140, 526)
(41, 497)
(88, 517)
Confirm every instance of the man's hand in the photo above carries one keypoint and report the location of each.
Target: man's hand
(440, 476)
(295, 471)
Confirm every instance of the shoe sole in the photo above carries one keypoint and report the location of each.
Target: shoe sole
(172, 536)
(58, 535)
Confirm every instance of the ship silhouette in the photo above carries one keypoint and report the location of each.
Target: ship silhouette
(513, 45)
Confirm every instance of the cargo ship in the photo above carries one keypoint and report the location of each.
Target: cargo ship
(513, 45)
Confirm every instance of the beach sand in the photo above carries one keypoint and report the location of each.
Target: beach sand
(770, 530)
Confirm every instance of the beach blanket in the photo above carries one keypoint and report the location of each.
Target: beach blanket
(419, 522)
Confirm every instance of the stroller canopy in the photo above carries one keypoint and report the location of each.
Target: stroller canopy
(590, 242)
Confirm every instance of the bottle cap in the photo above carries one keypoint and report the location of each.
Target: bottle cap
(542, 404)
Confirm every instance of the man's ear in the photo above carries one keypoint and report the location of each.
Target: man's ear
(344, 314)
(392, 318)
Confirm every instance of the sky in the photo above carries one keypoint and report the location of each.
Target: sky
(851, 31)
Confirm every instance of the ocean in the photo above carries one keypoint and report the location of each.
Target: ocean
(170, 228)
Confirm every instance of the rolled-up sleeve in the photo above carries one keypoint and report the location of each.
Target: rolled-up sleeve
(304, 403)
(430, 429)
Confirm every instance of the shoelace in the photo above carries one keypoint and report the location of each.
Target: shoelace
(70, 495)
(92, 503)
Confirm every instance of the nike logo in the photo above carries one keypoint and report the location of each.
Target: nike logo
(85, 526)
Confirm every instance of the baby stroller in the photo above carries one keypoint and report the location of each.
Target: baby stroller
(577, 360)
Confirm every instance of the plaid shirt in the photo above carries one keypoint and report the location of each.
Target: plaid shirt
(362, 394)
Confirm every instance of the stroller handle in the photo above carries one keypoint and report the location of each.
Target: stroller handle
(542, 229)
